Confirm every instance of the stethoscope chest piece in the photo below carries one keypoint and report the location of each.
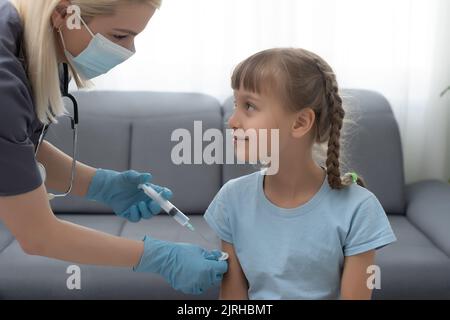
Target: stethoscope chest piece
(43, 174)
(42, 171)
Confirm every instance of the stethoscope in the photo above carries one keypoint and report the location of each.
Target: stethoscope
(74, 125)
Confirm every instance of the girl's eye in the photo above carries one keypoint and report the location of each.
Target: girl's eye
(249, 107)
(246, 107)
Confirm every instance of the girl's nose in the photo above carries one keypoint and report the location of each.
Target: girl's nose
(233, 122)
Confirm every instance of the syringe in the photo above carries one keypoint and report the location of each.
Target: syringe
(168, 207)
(174, 212)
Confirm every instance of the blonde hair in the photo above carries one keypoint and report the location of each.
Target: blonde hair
(302, 79)
(40, 46)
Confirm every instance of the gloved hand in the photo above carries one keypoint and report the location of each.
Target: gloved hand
(120, 192)
(185, 267)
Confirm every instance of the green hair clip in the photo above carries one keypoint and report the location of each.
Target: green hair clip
(354, 177)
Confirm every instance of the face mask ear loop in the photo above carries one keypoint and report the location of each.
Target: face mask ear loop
(66, 52)
(62, 39)
(87, 28)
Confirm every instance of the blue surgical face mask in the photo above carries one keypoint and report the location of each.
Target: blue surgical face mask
(99, 57)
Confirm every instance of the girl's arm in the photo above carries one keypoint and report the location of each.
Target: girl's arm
(234, 284)
(59, 169)
(354, 277)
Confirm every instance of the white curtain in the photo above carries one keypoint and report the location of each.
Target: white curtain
(400, 48)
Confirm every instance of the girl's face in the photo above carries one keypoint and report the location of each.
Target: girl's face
(121, 28)
(252, 113)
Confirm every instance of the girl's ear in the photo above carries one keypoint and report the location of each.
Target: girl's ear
(303, 122)
(59, 15)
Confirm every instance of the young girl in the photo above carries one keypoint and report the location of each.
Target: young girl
(305, 232)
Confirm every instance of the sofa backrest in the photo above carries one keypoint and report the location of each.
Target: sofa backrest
(132, 130)
(374, 149)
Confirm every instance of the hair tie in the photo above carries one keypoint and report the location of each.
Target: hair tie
(354, 177)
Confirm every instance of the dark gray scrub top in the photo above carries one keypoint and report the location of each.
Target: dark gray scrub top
(19, 126)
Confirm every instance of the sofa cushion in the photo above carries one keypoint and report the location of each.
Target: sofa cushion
(429, 210)
(413, 267)
(32, 277)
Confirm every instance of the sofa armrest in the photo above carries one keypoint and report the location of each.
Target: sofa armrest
(428, 208)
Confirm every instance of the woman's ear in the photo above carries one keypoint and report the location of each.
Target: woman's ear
(59, 15)
(303, 122)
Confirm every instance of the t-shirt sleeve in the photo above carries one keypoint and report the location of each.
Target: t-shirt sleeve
(369, 229)
(218, 216)
(18, 167)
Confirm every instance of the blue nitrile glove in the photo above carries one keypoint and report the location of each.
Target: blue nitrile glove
(185, 267)
(120, 192)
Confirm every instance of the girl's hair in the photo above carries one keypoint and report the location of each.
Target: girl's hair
(40, 47)
(302, 79)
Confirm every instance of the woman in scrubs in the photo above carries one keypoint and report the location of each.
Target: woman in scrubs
(36, 38)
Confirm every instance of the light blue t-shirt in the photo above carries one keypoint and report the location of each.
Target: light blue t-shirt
(297, 253)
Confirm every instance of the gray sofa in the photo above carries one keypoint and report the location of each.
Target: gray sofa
(132, 130)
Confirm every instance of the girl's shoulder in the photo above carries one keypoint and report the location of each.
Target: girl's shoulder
(249, 178)
(244, 185)
(354, 198)
(356, 192)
